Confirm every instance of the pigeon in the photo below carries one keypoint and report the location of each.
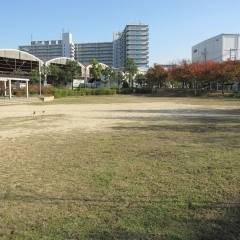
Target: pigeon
(34, 112)
(43, 111)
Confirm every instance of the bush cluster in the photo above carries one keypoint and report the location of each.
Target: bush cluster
(63, 92)
(126, 91)
(58, 93)
(143, 90)
(236, 95)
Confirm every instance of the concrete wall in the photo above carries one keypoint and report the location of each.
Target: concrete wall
(218, 48)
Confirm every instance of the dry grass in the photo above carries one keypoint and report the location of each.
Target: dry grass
(164, 178)
(142, 98)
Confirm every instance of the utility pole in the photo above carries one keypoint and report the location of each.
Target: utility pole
(204, 53)
(233, 49)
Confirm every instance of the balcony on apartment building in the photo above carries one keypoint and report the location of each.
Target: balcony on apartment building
(133, 47)
(137, 34)
(137, 38)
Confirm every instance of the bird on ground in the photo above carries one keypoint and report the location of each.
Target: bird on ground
(43, 111)
(34, 112)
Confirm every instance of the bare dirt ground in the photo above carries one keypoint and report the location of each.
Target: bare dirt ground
(19, 120)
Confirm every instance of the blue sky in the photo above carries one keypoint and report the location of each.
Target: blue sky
(174, 25)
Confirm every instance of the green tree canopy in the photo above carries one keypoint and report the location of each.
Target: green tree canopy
(72, 71)
(110, 75)
(96, 69)
(55, 73)
(120, 78)
(130, 68)
(34, 76)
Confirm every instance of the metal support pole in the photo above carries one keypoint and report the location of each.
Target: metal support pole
(45, 79)
(195, 86)
(40, 86)
(85, 77)
(10, 88)
(5, 88)
(26, 89)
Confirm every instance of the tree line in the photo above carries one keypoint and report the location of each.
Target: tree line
(185, 74)
(59, 76)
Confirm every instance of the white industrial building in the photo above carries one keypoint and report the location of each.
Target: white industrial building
(219, 48)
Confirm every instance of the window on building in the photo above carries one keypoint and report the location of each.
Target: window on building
(195, 50)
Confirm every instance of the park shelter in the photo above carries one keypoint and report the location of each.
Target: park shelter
(15, 66)
(9, 80)
(12, 61)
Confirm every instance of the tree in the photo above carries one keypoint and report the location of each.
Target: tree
(113, 77)
(150, 77)
(183, 72)
(55, 73)
(204, 73)
(226, 73)
(106, 73)
(34, 76)
(18, 72)
(73, 70)
(238, 74)
(96, 69)
(120, 78)
(157, 75)
(140, 78)
(109, 76)
(130, 68)
(125, 84)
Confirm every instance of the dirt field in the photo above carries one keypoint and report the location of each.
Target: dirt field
(20, 120)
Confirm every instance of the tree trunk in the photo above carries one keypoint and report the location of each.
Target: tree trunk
(222, 88)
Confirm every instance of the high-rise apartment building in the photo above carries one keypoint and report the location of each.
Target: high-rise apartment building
(117, 49)
(51, 49)
(102, 51)
(132, 42)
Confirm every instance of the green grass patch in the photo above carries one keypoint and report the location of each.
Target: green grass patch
(161, 179)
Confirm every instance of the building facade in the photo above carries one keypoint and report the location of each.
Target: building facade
(132, 42)
(218, 48)
(102, 51)
(52, 48)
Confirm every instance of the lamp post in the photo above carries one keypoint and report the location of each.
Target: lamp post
(40, 90)
(195, 85)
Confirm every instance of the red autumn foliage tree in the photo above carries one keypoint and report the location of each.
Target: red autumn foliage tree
(157, 76)
(205, 73)
(226, 73)
(184, 73)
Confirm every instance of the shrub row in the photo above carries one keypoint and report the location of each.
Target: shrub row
(64, 92)
(236, 95)
(135, 90)
(57, 93)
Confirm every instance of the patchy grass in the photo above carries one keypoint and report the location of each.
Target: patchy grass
(161, 179)
(136, 98)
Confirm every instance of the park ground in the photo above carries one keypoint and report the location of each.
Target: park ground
(120, 167)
